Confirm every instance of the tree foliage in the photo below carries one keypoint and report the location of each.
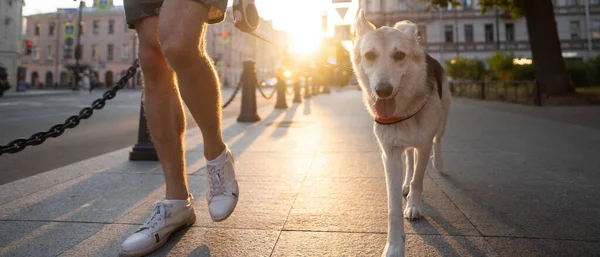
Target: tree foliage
(465, 69)
(502, 65)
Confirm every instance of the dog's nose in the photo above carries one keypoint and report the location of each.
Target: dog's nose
(384, 89)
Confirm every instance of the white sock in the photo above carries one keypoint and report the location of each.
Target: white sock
(219, 160)
(179, 202)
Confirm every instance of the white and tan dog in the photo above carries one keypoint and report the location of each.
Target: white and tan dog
(407, 93)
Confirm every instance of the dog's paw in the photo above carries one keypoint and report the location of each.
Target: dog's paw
(413, 212)
(393, 250)
(405, 189)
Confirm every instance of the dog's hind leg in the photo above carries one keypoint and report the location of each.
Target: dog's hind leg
(392, 163)
(409, 169)
(438, 161)
(413, 207)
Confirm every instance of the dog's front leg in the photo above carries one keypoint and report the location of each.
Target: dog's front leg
(392, 161)
(413, 207)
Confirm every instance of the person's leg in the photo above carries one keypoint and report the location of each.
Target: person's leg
(181, 33)
(163, 109)
(164, 113)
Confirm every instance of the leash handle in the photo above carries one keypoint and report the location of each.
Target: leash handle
(245, 15)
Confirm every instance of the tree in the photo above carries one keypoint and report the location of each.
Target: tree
(548, 63)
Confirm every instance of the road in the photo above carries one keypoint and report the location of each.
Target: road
(112, 128)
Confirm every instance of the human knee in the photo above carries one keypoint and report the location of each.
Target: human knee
(181, 51)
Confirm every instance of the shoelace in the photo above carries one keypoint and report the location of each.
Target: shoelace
(159, 214)
(215, 173)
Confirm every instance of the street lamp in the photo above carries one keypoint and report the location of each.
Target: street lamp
(78, 46)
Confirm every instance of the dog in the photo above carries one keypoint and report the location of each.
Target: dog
(407, 93)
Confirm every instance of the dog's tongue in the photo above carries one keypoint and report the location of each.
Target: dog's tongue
(385, 107)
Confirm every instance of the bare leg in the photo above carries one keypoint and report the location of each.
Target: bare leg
(163, 109)
(181, 32)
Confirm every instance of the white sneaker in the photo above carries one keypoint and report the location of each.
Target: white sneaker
(222, 195)
(167, 217)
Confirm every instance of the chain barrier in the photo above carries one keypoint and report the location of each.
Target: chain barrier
(237, 89)
(71, 122)
(260, 89)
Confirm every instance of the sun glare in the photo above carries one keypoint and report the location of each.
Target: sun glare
(305, 43)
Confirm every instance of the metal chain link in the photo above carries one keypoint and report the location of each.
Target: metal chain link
(237, 89)
(263, 93)
(71, 122)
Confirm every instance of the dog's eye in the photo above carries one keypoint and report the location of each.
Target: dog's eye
(370, 56)
(398, 56)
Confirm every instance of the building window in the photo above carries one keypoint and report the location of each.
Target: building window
(510, 32)
(111, 27)
(95, 51)
(469, 33)
(125, 51)
(110, 52)
(37, 29)
(67, 52)
(571, 2)
(596, 29)
(468, 4)
(489, 33)
(49, 52)
(51, 28)
(574, 28)
(35, 53)
(95, 27)
(448, 34)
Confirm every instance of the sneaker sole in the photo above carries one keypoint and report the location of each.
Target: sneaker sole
(158, 245)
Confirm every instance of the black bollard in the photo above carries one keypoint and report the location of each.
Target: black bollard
(144, 149)
(325, 82)
(248, 112)
(297, 92)
(281, 92)
(307, 87)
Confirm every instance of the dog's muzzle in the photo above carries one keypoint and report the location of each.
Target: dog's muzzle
(384, 90)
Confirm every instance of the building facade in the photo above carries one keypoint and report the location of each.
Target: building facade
(109, 47)
(464, 31)
(10, 37)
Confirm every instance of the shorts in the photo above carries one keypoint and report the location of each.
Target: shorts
(139, 9)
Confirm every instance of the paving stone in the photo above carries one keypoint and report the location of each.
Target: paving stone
(95, 198)
(200, 242)
(294, 243)
(30, 238)
(347, 164)
(543, 247)
(335, 204)
(105, 242)
(264, 203)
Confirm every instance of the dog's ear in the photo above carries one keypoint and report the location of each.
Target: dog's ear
(362, 25)
(407, 28)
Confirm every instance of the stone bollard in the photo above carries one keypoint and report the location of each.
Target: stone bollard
(307, 88)
(297, 92)
(248, 110)
(325, 83)
(281, 92)
(144, 149)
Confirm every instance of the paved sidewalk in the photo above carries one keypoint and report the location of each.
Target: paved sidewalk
(312, 184)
